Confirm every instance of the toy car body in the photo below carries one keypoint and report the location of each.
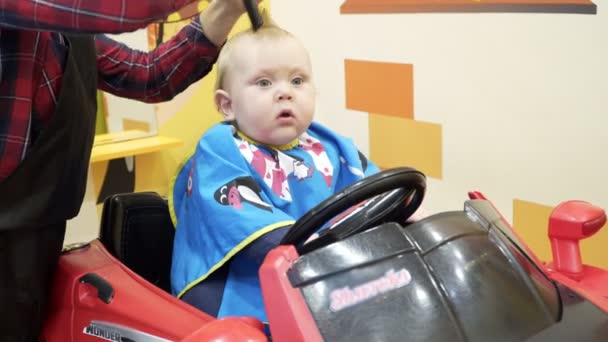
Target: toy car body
(462, 275)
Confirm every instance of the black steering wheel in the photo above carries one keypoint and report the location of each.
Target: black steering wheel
(402, 191)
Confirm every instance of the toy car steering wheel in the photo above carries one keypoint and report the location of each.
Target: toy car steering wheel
(410, 182)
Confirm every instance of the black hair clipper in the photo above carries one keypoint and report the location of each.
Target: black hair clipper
(254, 14)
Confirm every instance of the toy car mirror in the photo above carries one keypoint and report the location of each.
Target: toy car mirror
(570, 222)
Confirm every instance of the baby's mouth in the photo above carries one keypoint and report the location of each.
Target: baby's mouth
(285, 114)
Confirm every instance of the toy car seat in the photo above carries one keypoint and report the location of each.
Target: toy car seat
(136, 228)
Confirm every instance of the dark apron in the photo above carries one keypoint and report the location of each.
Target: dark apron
(48, 186)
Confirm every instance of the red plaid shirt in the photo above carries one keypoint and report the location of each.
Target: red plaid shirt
(32, 61)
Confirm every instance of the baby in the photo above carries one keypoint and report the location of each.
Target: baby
(256, 173)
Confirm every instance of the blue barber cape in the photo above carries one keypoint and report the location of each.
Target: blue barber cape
(232, 191)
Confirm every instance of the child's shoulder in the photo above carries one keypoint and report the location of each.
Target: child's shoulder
(219, 130)
(325, 133)
(219, 138)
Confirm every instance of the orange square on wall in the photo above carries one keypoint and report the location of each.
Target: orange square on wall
(395, 142)
(471, 6)
(376, 87)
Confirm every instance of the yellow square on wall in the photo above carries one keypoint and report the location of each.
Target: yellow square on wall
(397, 142)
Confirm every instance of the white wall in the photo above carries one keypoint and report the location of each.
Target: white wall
(522, 98)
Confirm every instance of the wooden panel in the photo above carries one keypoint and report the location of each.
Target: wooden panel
(133, 147)
(403, 142)
(417, 6)
(109, 138)
(376, 87)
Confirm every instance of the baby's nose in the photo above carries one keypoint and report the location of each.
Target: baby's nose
(283, 95)
(284, 92)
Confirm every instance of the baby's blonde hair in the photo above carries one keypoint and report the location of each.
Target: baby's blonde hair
(269, 31)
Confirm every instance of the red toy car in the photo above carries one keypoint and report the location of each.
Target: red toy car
(454, 276)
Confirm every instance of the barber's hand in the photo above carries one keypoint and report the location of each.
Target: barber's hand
(219, 18)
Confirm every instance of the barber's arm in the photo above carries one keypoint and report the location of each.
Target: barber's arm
(166, 71)
(101, 16)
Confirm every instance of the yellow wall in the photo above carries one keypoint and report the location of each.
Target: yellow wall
(186, 117)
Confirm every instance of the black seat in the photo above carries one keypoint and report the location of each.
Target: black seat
(137, 229)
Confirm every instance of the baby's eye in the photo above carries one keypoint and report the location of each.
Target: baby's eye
(297, 81)
(263, 83)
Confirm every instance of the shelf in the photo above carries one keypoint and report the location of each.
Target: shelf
(108, 138)
(132, 147)
(467, 6)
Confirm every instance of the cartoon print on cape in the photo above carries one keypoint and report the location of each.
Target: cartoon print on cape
(275, 168)
(241, 190)
(355, 170)
(363, 160)
(316, 150)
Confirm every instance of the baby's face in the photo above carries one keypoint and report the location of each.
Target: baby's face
(271, 89)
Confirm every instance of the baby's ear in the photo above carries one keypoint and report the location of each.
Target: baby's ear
(224, 104)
